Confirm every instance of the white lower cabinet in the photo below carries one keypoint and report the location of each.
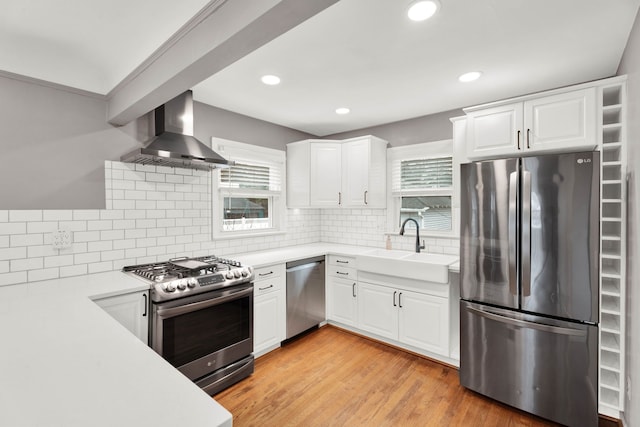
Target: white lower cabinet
(342, 301)
(269, 311)
(419, 320)
(131, 311)
(423, 321)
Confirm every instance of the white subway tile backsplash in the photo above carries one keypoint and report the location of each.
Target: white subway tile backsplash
(112, 235)
(27, 264)
(99, 225)
(9, 228)
(155, 177)
(155, 213)
(13, 253)
(86, 236)
(13, 278)
(43, 274)
(86, 258)
(58, 261)
(25, 216)
(86, 214)
(145, 168)
(100, 246)
(111, 214)
(73, 270)
(57, 215)
(99, 267)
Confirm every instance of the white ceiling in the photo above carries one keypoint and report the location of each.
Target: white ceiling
(362, 54)
(86, 44)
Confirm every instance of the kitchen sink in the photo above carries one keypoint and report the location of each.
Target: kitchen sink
(387, 253)
(417, 266)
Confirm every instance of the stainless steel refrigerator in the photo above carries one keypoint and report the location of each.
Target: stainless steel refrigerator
(529, 251)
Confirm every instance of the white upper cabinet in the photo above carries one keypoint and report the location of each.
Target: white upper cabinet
(349, 173)
(560, 122)
(326, 174)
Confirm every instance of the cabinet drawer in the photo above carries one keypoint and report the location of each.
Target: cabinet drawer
(269, 272)
(342, 261)
(342, 272)
(261, 287)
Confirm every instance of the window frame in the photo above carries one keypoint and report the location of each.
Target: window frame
(246, 153)
(425, 150)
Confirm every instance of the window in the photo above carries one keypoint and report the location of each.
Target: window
(249, 196)
(422, 187)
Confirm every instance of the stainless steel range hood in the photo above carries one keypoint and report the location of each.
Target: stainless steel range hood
(173, 144)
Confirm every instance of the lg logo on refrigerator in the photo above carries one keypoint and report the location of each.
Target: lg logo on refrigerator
(581, 161)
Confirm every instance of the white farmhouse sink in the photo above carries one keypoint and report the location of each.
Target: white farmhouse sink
(387, 253)
(417, 266)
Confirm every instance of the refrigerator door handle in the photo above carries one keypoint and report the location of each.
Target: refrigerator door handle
(526, 233)
(513, 220)
(527, 324)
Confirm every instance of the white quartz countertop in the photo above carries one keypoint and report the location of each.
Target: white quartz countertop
(292, 253)
(66, 362)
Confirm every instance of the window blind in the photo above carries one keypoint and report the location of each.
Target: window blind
(422, 174)
(252, 176)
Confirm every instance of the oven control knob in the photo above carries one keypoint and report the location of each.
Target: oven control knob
(170, 287)
(237, 274)
(245, 273)
(182, 285)
(192, 282)
(229, 275)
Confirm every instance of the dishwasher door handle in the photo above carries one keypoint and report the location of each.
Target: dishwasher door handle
(304, 266)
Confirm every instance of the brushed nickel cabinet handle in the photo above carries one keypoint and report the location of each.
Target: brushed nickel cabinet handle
(365, 197)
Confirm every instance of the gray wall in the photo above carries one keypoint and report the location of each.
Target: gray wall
(54, 141)
(630, 65)
(211, 121)
(434, 127)
(53, 146)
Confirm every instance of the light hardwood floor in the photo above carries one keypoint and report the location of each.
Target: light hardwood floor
(331, 377)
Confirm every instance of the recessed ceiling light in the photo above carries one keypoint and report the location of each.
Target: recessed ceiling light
(469, 77)
(342, 110)
(423, 9)
(270, 80)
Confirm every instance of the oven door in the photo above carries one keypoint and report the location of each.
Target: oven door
(203, 333)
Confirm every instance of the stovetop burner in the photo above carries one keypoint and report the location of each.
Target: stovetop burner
(180, 277)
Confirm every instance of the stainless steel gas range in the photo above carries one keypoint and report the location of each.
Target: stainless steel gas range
(202, 317)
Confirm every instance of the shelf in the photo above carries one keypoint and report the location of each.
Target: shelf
(610, 304)
(610, 380)
(611, 238)
(610, 361)
(611, 96)
(610, 341)
(610, 286)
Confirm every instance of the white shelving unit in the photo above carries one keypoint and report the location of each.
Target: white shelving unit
(612, 141)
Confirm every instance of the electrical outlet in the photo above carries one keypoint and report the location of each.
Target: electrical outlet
(61, 239)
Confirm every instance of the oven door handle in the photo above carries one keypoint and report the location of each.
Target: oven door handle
(183, 309)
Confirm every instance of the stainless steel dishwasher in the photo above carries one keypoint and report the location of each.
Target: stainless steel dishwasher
(305, 294)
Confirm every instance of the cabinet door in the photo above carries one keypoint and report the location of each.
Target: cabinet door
(355, 173)
(495, 132)
(267, 320)
(378, 310)
(298, 158)
(131, 311)
(563, 122)
(342, 301)
(326, 174)
(424, 321)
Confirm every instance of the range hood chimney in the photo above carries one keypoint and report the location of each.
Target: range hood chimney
(173, 144)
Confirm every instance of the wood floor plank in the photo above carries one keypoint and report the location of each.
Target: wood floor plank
(332, 377)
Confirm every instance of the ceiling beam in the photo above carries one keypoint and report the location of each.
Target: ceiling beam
(222, 33)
